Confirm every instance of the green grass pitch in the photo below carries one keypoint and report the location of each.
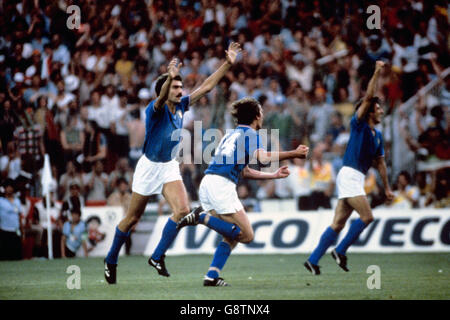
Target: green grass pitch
(255, 277)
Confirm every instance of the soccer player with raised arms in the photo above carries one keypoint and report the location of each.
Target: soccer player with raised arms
(157, 171)
(223, 211)
(365, 147)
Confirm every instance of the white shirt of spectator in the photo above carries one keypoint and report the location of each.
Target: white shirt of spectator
(14, 166)
(409, 53)
(101, 115)
(303, 77)
(98, 191)
(299, 180)
(54, 213)
(400, 202)
(68, 97)
(121, 125)
(112, 103)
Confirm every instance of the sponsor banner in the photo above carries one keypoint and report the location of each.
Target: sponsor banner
(101, 224)
(392, 231)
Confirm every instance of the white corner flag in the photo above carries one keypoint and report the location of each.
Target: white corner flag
(46, 180)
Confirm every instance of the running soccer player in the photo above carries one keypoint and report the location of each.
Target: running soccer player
(157, 171)
(364, 147)
(223, 211)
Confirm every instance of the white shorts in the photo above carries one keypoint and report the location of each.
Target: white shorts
(150, 177)
(219, 194)
(350, 183)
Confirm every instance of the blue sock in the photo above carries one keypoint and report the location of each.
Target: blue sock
(119, 239)
(355, 230)
(327, 238)
(226, 229)
(220, 258)
(169, 234)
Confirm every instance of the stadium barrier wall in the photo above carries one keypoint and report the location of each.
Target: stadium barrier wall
(419, 230)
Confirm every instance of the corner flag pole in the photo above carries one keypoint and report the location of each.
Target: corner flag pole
(46, 180)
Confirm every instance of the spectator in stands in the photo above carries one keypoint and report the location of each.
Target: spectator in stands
(319, 115)
(250, 204)
(124, 67)
(10, 164)
(8, 122)
(336, 127)
(74, 236)
(96, 183)
(440, 196)
(70, 177)
(136, 128)
(298, 111)
(406, 195)
(30, 144)
(74, 200)
(99, 113)
(299, 183)
(322, 179)
(72, 137)
(122, 170)
(10, 224)
(119, 127)
(95, 146)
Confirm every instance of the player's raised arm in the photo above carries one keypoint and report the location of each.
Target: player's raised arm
(172, 71)
(233, 50)
(268, 156)
(249, 173)
(371, 89)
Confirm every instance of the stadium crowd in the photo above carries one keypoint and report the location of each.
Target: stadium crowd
(79, 94)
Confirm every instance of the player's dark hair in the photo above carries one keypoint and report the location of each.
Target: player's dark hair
(245, 110)
(160, 81)
(372, 102)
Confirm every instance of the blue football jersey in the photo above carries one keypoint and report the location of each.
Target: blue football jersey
(363, 146)
(234, 152)
(161, 143)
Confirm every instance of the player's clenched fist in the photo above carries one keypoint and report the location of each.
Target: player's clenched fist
(282, 172)
(379, 64)
(302, 151)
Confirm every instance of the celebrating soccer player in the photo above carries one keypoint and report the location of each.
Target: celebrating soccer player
(364, 147)
(224, 212)
(157, 171)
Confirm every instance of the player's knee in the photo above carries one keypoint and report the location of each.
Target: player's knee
(367, 220)
(247, 237)
(132, 220)
(338, 226)
(181, 212)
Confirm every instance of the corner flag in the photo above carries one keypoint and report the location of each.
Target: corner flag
(46, 180)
